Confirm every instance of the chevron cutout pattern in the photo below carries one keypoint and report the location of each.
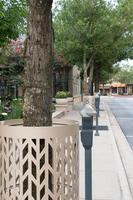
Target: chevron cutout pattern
(39, 169)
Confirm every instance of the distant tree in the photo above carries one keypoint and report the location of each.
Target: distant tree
(12, 24)
(12, 20)
(12, 62)
(124, 76)
(93, 34)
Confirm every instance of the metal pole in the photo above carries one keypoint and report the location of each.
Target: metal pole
(97, 133)
(87, 139)
(88, 174)
(97, 104)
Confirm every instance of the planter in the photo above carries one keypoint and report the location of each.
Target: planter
(61, 101)
(69, 99)
(38, 163)
(62, 107)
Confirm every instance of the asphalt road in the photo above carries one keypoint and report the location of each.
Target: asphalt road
(122, 108)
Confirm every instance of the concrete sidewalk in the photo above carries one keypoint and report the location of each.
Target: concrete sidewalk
(106, 164)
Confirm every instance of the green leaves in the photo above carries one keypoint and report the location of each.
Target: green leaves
(124, 75)
(96, 28)
(12, 19)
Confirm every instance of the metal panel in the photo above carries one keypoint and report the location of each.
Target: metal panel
(39, 163)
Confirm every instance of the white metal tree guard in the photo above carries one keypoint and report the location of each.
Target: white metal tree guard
(38, 163)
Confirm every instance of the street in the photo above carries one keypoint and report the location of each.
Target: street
(122, 108)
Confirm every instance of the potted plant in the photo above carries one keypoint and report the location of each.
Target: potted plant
(61, 97)
(69, 97)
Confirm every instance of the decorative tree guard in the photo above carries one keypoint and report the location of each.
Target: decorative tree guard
(38, 163)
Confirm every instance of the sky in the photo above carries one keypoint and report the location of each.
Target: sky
(54, 3)
(126, 63)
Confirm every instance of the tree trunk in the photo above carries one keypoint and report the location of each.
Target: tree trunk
(96, 80)
(81, 87)
(91, 92)
(96, 86)
(85, 84)
(90, 83)
(103, 90)
(38, 71)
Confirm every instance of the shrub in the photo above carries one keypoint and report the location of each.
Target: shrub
(14, 111)
(69, 94)
(2, 117)
(61, 95)
(17, 110)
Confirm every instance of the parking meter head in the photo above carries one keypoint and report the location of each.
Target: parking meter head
(97, 95)
(87, 138)
(87, 111)
(87, 132)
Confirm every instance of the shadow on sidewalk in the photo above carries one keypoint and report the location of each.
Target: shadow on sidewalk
(100, 128)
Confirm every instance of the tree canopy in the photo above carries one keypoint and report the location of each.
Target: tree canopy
(12, 19)
(94, 28)
(123, 74)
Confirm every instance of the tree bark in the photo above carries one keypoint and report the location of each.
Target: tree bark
(96, 80)
(86, 67)
(96, 86)
(38, 71)
(81, 87)
(85, 84)
(91, 78)
(103, 93)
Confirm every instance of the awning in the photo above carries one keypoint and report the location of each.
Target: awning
(118, 85)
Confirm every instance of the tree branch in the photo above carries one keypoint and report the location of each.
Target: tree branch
(90, 60)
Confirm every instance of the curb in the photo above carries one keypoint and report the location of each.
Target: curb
(58, 113)
(124, 156)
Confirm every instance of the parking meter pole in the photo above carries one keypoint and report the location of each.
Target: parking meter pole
(97, 104)
(97, 132)
(88, 174)
(87, 138)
